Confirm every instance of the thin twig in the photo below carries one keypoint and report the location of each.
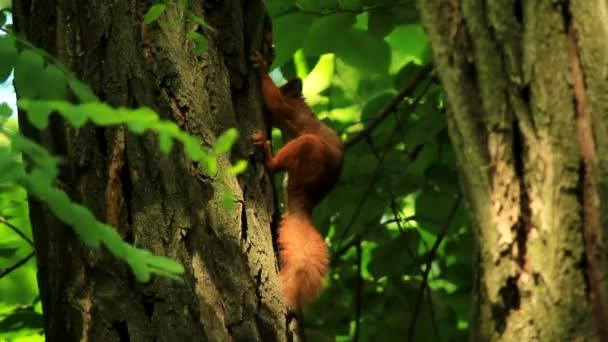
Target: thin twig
(359, 298)
(375, 177)
(17, 231)
(393, 203)
(16, 265)
(425, 274)
(417, 218)
(344, 248)
(391, 105)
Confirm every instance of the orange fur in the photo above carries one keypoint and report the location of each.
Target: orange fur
(312, 158)
(304, 258)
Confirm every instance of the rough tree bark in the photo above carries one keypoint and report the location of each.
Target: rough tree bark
(525, 83)
(158, 202)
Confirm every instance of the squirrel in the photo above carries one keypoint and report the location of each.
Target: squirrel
(312, 158)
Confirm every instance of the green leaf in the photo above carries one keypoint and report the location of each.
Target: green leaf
(381, 22)
(110, 237)
(364, 51)
(139, 119)
(408, 42)
(198, 20)
(200, 42)
(166, 264)
(351, 4)
(45, 164)
(443, 178)
(10, 169)
(210, 165)
(7, 251)
(101, 114)
(279, 6)
(326, 32)
(394, 249)
(225, 141)
(21, 319)
(82, 220)
(28, 68)
(8, 54)
(142, 114)
(38, 113)
(137, 260)
(6, 4)
(165, 142)
(76, 116)
(154, 12)
(309, 5)
(193, 148)
(5, 110)
(424, 159)
(405, 74)
(237, 168)
(288, 34)
(373, 106)
(365, 164)
(137, 127)
(168, 127)
(329, 5)
(427, 127)
(54, 81)
(81, 90)
(228, 200)
(434, 205)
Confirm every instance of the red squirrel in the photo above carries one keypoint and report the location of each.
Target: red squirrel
(312, 158)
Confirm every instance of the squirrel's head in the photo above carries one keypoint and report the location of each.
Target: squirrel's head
(292, 94)
(292, 89)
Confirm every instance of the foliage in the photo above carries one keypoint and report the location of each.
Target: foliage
(399, 237)
(20, 309)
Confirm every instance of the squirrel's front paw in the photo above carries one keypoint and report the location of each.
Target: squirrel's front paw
(258, 138)
(259, 62)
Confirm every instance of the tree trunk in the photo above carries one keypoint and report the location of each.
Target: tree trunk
(156, 201)
(526, 95)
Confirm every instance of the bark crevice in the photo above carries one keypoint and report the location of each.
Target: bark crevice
(589, 197)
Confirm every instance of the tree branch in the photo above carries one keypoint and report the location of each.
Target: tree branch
(391, 105)
(392, 197)
(17, 231)
(374, 178)
(16, 265)
(425, 274)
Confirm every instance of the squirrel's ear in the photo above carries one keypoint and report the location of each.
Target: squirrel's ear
(293, 88)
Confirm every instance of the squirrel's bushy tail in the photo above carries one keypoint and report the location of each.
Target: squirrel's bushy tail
(304, 258)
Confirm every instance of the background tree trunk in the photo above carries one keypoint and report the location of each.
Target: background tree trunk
(158, 202)
(525, 84)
